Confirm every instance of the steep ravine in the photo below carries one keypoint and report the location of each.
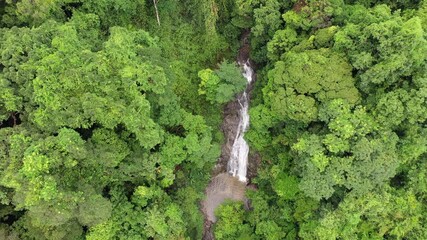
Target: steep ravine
(231, 175)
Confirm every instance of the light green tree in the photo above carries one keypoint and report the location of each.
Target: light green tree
(220, 86)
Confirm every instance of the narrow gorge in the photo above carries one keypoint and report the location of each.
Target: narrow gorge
(230, 175)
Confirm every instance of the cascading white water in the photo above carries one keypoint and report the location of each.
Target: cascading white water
(237, 164)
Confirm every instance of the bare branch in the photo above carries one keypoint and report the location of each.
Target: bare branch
(157, 12)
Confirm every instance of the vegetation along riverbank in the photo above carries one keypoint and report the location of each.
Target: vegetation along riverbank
(112, 119)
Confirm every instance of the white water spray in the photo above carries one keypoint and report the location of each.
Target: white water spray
(237, 164)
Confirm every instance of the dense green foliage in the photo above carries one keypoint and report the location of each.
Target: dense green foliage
(222, 85)
(339, 119)
(109, 118)
(103, 133)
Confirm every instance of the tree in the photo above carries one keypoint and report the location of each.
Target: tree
(33, 13)
(340, 122)
(220, 86)
(371, 216)
(99, 118)
(380, 45)
(350, 154)
(230, 222)
(304, 80)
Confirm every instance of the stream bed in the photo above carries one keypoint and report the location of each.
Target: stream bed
(230, 175)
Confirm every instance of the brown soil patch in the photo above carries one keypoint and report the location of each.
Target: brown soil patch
(299, 5)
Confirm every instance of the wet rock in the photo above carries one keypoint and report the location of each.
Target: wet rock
(229, 127)
(253, 164)
(224, 186)
(208, 231)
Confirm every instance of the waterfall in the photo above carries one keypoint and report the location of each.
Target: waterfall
(234, 155)
(237, 164)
